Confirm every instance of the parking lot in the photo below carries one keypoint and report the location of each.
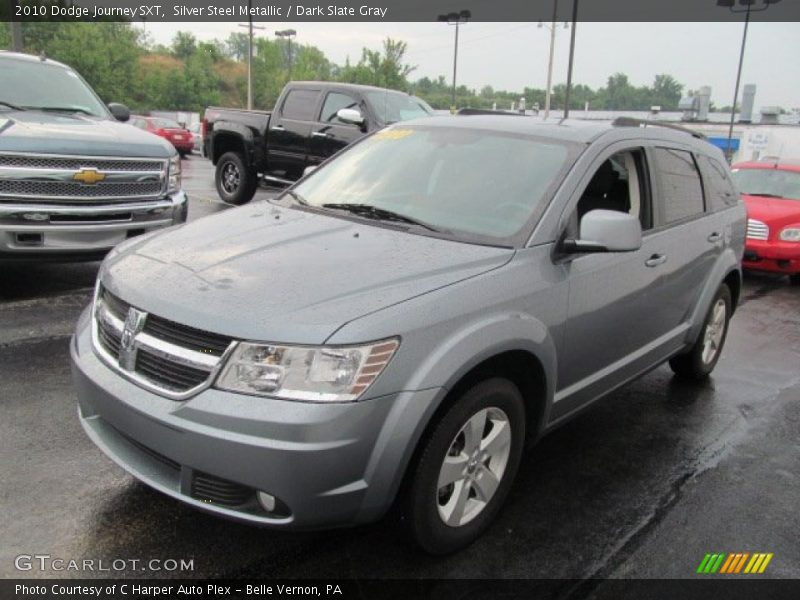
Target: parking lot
(641, 485)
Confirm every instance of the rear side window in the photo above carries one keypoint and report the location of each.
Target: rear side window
(299, 105)
(681, 192)
(720, 191)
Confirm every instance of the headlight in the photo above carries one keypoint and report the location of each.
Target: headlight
(174, 174)
(790, 234)
(307, 373)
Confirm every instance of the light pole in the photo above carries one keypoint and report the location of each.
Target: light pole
(288, 34)
(16, 28)
(571, 57)
(250, 28)
(552, 28)
(455, 18)
(729, 4)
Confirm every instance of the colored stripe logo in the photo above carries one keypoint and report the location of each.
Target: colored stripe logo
(734, 563)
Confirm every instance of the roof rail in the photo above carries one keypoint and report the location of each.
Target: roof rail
(633, 122)
(487, 111)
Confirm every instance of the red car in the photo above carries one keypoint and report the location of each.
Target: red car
(771, 191)
(168, 129)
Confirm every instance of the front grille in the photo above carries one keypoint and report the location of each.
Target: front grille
(22, 189)
(186, 336)
(71, 163)
(220, 491)
(168, 374)
(757, 230)
(156, 359)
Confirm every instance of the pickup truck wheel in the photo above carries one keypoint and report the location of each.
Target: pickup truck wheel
(466, 467)
(236, 184)
(698, 362)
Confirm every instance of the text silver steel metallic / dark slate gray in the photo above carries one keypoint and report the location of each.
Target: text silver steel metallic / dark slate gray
(290, 363)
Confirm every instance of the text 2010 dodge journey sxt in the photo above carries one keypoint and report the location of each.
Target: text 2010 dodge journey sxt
(399, 323)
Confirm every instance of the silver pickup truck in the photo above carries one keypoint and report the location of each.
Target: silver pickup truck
(75, 180)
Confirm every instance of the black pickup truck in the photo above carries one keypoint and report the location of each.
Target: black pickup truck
(311, 121)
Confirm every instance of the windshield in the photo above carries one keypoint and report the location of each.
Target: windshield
(391, 107)
(165, 123)
(477, 182)
(30, 84)
(768, 182)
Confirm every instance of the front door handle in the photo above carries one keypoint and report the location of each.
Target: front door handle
(655, 260)
(714, 237)
(321, 134)
(277, 128)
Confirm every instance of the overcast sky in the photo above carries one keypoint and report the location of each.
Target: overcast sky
(513, 55)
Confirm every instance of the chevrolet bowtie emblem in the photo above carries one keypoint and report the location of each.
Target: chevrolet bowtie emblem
(88, 176)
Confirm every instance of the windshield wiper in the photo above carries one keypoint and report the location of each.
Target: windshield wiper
(11, 106)
(61, 109)
(763, 194)
(380, 214)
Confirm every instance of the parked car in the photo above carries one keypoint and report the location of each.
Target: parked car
(405, 318)
(180, 137)
(197, 138)
(74, 180)
(771, 192)
(312, 121)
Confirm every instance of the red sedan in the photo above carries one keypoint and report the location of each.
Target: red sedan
(771, 192)
(168, 129)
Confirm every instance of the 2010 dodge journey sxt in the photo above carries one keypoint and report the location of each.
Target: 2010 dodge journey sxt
(398, 323)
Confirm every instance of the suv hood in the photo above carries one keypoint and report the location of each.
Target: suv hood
(74, 134)
(263, 272)
(775, 212)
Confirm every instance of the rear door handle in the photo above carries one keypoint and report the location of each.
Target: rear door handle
(655, 260)
(277, 128)
(714, 237)
(321, 134)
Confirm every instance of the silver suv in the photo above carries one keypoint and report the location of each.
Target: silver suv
(399, 323)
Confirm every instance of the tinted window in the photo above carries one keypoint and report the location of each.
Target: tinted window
(456, 179)
(334, 102)
(392, 107)
(160, 123)
(300, 104)
(718, 186)
(681, 193)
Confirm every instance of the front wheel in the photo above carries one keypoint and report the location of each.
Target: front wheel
(698, 362)
(466, 467)
(236, 184)
(795, 279)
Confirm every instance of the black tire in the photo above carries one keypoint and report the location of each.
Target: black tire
(698, 362)
(236, 184)
(423, 503)
(182, 153)
(794, 279)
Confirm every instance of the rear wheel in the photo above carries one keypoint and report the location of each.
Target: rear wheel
(795, 279)
(236, 184)
(698, 362)
(466, 467)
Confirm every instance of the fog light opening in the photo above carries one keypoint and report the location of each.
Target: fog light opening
(272, 505)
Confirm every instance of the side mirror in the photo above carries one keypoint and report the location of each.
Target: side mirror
(606, 231)
(350, 115)
(309, 169)
(120, 111)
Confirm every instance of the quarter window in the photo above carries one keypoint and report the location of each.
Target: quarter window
(719, 187)
(299, 105)
(334, 102)
(681, 192)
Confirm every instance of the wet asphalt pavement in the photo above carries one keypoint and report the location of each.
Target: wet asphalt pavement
(641, 485)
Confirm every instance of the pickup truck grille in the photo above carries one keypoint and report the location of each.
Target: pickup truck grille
(81, 179)
(757, 230)
(168, 358)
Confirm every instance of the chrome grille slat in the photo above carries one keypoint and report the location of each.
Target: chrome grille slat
(172, 359)
(68, 190)
(75, 163)
(757, 230)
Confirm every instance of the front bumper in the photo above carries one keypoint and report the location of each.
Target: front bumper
(772, 256)
(327, 464)
(32, 231)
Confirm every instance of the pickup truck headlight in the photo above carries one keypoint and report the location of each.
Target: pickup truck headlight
(174, 174)
(306, 373)
(790, 234)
